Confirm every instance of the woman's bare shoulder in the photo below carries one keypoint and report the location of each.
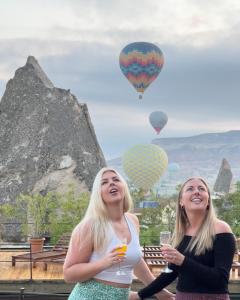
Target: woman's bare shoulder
(222, 227)
(134, 219)
(132, 216)
(83, 225)
(82, 231)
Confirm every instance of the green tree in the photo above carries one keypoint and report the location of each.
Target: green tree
(154, 220)
(228, 209)
(51, 214)
(150, 235)
(137, 194)
(32, 211)
(72, 208)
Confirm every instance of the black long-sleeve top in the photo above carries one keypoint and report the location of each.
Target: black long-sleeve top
(206, 273)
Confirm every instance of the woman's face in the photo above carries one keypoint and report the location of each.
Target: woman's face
(194, 196)
(112, 189)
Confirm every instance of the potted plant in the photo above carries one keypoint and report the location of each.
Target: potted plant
(33, 212)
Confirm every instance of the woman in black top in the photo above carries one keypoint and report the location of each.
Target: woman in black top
(203, 249)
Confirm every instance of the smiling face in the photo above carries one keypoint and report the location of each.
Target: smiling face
(195, 195)
(112, 188)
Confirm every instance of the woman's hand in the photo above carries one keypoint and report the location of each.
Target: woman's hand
(133, 296)
(112, 258)
(165, 295)
(172, 255)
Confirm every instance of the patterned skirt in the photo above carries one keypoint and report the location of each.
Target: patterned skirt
(198, 296)
(93, 290)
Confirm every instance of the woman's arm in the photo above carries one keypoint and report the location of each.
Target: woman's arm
(142, 272)
(163, 280)
(77, 267)
(224, 247)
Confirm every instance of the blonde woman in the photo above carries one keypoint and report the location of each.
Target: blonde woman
(202, 252)
(93, 261)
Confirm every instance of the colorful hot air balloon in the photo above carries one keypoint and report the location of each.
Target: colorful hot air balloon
(141, 63)
(144, 164)
(158, 120)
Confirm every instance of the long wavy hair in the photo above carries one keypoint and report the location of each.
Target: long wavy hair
(96, 213)
(205, 235)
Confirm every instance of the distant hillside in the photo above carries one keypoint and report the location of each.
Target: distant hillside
(212, 147)
(199, 155)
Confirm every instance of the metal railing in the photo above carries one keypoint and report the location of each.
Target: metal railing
(22, 295)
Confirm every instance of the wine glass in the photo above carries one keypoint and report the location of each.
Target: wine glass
(122, 248)
(165, 238)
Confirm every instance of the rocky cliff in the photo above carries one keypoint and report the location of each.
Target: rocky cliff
(224, 178)
(47, 139)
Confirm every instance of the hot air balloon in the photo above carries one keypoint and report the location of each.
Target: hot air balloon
(158, 120)
(144, 164)
(141, 63)
(173, 167)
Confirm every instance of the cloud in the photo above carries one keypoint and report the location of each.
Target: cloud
(32, 19)
(77, 43)
(119, 119)
(14, 52)
(178, 126)
(173, 22)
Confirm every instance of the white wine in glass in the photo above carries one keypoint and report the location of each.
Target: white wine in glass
(165, 239)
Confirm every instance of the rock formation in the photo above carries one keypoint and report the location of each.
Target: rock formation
(224, 178)
(46, 137)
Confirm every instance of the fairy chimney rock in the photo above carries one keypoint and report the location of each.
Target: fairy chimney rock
(47, 138)
(224, 178)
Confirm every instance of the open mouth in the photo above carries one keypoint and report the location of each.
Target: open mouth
(113, 191)
(196, 200)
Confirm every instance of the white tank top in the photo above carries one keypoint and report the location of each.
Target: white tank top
(133, 256)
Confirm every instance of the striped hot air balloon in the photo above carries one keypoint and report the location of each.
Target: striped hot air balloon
(141, 63)
(144, 164)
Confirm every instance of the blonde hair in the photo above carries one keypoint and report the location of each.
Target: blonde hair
(205, 235)
(96, 213)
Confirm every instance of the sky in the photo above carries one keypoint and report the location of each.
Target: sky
(78, 42)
